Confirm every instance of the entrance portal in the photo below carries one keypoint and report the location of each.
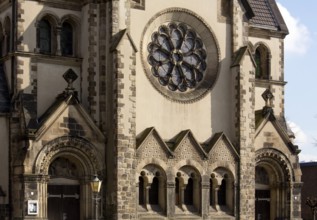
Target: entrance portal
(63, 190)
(63, 202)
(262, 204)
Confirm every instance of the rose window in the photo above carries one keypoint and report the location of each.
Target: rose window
(177, 57)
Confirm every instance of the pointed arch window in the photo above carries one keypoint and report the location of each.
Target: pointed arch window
(67, 39)
(44, 37)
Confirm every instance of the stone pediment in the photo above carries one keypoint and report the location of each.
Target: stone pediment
(271, 133)
(65, 117)
(150, 144)
(240, 55)
(118, 37)
(186, 146)
(220, 148)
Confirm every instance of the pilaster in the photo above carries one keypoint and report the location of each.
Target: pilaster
(92, 77)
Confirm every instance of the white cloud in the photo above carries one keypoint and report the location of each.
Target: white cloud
(307, 157)
(306, 140)
(301, 137)
(299, 38)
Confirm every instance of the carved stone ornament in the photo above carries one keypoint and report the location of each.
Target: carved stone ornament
(78, 148)
(180, 55)
(177, 56)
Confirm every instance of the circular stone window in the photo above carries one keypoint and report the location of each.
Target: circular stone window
(180, 55)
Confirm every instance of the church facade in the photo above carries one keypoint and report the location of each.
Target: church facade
(177, 106)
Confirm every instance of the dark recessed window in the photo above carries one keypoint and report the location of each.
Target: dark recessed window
(189, 192)
(154, 192)
(211, 200)
(258, 71)
(177, 200)
(222, 193)
(44, 36)
(67, 39)
(141, 191)
(262, 60)
(8, 34)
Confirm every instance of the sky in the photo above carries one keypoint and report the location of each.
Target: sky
(301, 74)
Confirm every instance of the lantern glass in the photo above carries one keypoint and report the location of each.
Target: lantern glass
(96, 184)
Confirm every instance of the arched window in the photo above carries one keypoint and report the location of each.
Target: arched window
(7, 27)
(44, 32)
(177, 194)
(222, 193)
(67, 39)
(189, 192)
(258, 70)
(211, 200)
(262, 60)
(1, 40)
(154, 192)
(226, 8)
(141, 191)
(188, 189)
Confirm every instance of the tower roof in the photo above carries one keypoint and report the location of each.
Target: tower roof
(267, 15)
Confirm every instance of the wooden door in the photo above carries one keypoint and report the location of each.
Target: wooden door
(262, 204)
(63, 202)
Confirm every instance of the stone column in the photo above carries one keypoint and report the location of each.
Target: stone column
(216, 206)
(235, 199)
(147, 197)
(245, 131)
(205, 194)
(123, 104)
(182, 197)
(58, 40)
(170, 200)
(35, 188)
(296, 201)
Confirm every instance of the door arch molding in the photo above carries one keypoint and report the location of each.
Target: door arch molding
(79, 148)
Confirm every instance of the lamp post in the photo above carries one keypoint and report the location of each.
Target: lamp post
(312, 203)
(95, 187)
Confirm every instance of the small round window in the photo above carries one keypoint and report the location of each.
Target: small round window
(180, 55)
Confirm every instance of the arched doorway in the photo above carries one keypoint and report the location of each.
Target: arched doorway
(66, 167)
(272, 188)
(262, 194)
(63, 197)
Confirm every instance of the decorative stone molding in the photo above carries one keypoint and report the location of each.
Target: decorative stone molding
(138, 4)
(79, 148)
(271, 154)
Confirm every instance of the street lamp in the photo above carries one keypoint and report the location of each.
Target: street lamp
(95, 187)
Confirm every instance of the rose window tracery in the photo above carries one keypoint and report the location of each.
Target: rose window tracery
(177, 56)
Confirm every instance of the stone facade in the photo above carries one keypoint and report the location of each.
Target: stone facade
(178, 108)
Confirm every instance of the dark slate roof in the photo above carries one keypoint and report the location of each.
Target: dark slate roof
(4, 92)
(263, 14)
(308, 164)
(267, 15)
